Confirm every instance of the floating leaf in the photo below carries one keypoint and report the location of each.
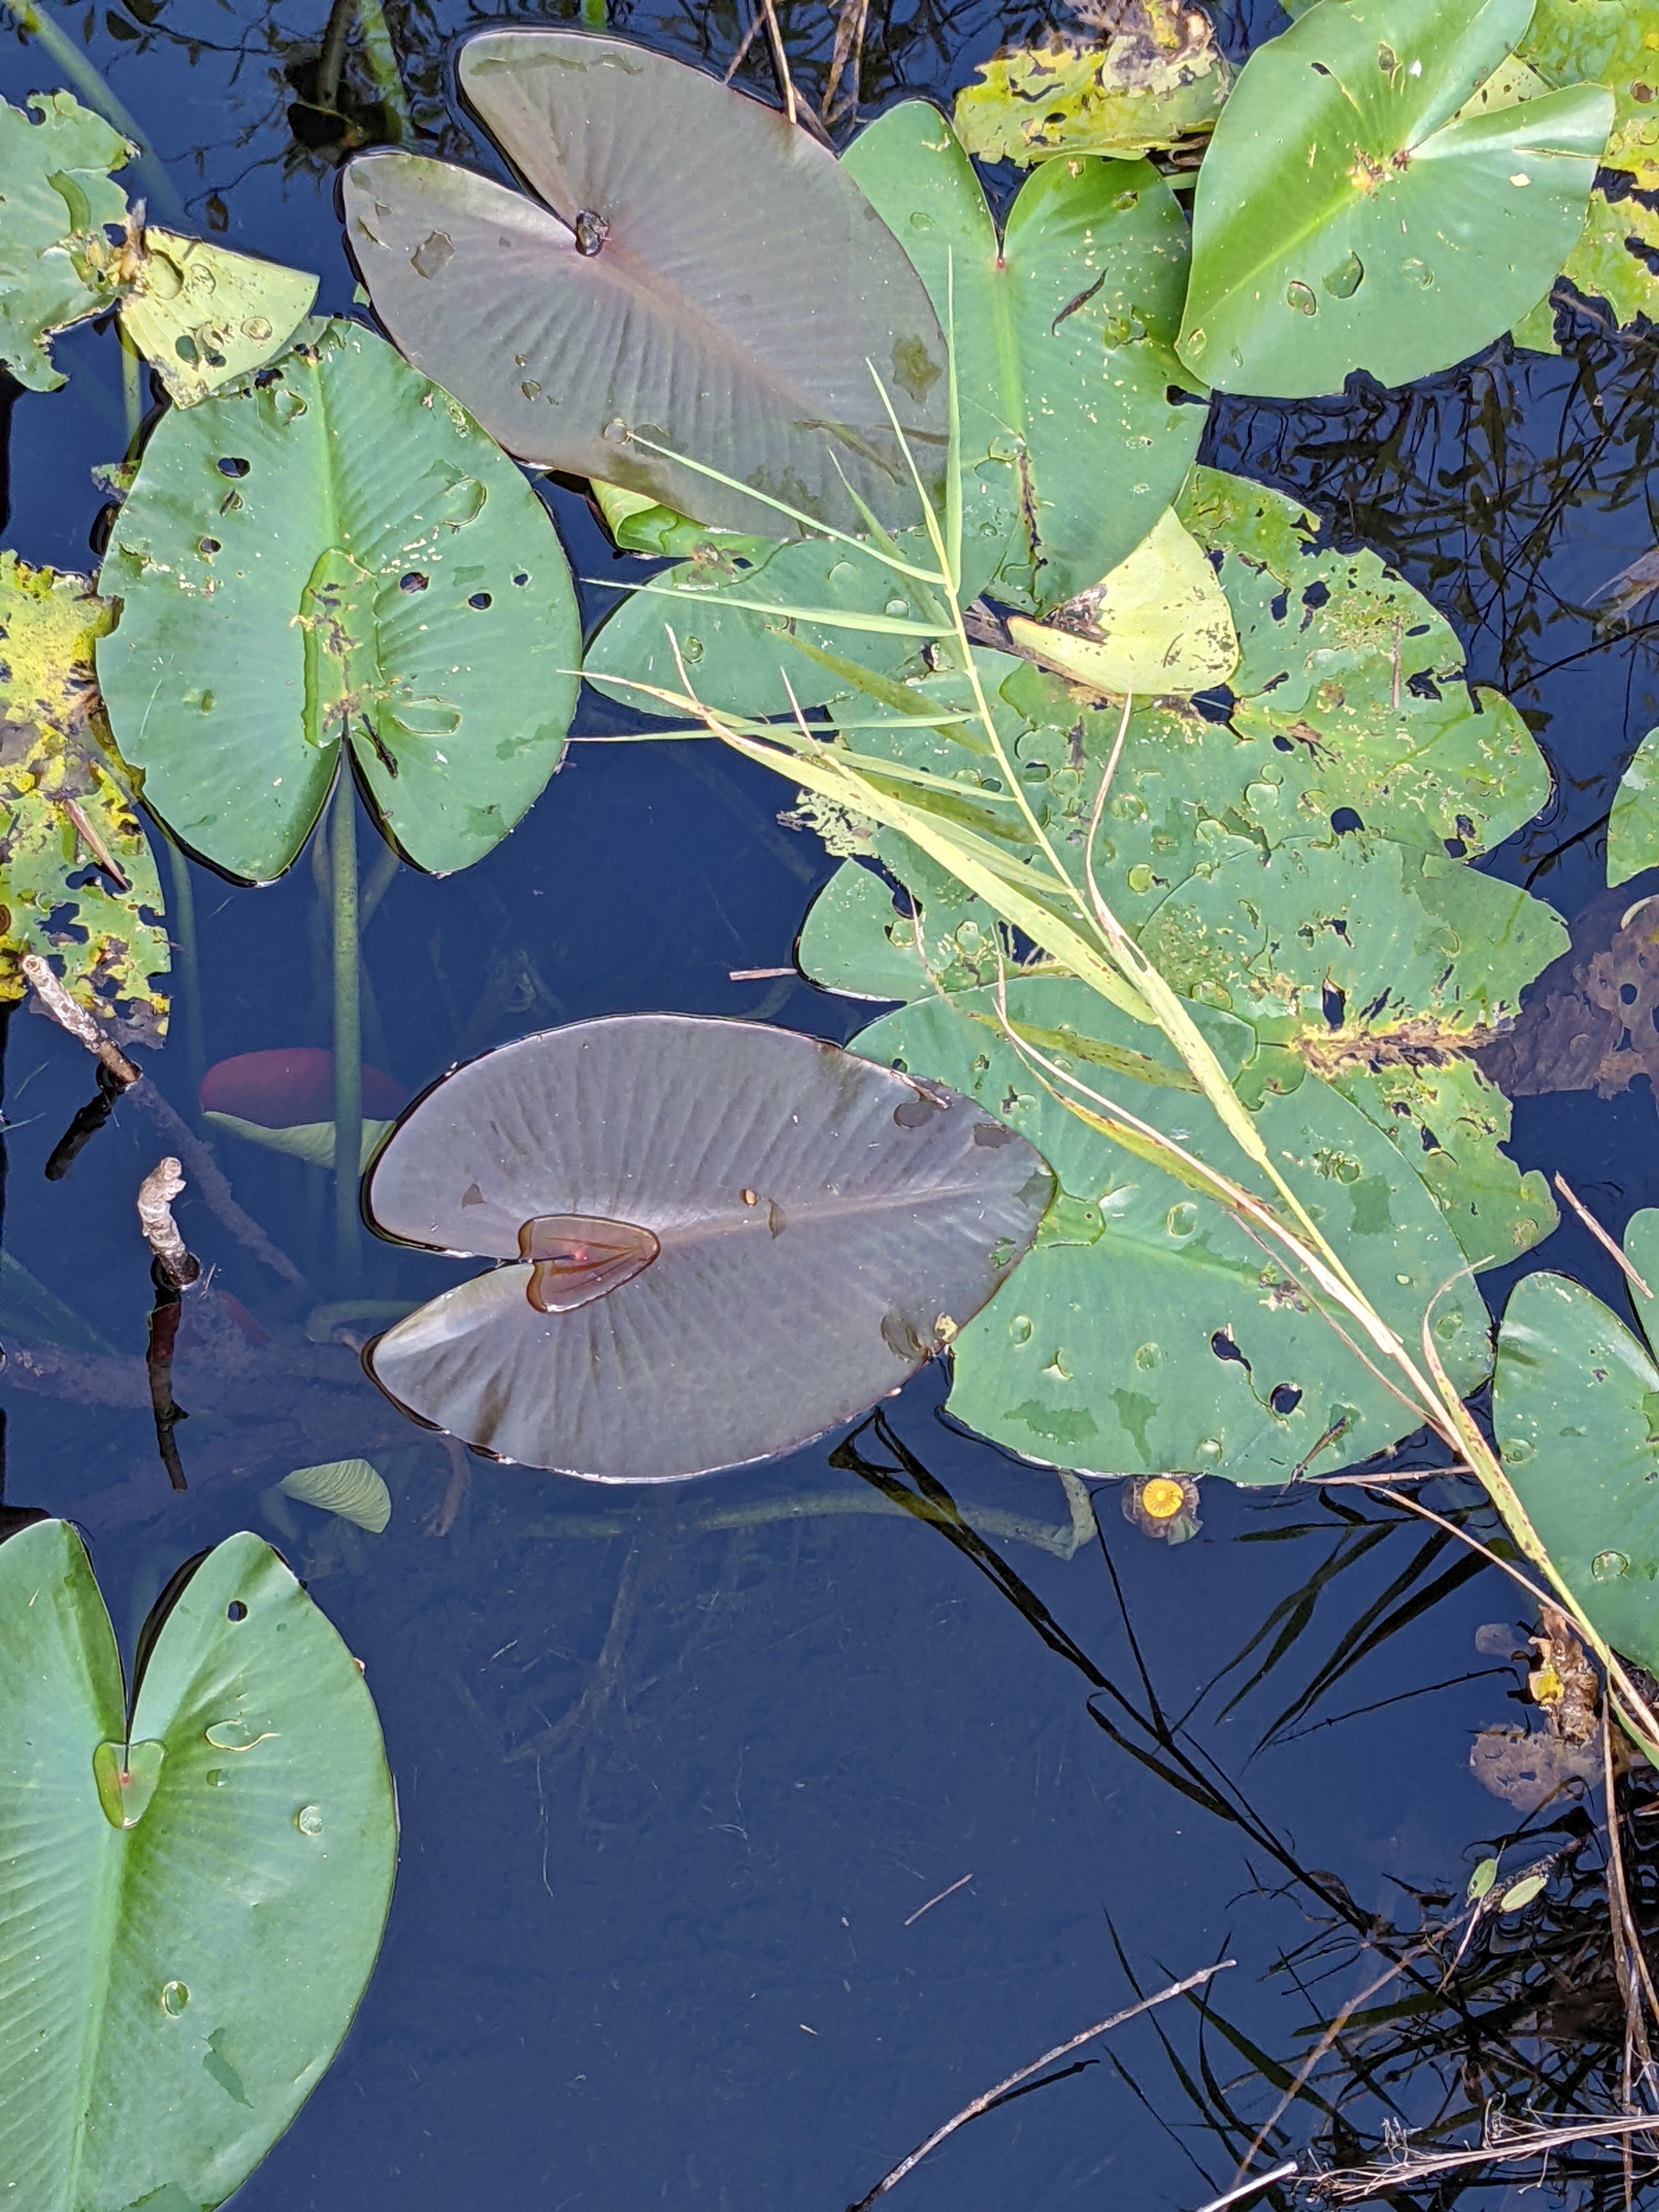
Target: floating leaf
(1612, 43)
(77, 880)
(204, 315)
(1633, 825)
(854, 941)
(1064, 340)
(1482, 1880)
(1348, 217)
(1157, 80)
(1159, 623)
(1450, 1122)
(1359, 944)
(1523, 1893)
(30, 1311)
(726, 311)
(1576, 1413)
(1613, 261)
(349, 1487)
(281, 587)
(197, 1899)
(56, 188)
(1146, 1333)
(764, 1236)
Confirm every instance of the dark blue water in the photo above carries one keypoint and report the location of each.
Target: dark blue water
(673, 1794)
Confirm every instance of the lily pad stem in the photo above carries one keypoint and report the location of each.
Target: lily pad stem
(347, 1021)
(187, 1000)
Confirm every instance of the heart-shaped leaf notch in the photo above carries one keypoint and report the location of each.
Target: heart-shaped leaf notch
(697, 269)
(717, 1239)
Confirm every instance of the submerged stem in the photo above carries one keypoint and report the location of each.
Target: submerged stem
(347, 1021)
(187, 999)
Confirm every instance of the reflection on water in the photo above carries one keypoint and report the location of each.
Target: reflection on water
(751, 1831)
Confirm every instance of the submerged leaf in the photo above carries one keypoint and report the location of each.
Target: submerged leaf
(202, 315)
(1575, 1413)
(310, 1141)
(196, 1901)
(281, 590)
(1348, 216)
(1160, 77)
(54, 253)
(349, 1487)
(78, 878)
(1147, 1333)
(821, 1228)
(726, 308)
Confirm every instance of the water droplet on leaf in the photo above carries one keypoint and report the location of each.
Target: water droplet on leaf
(1019, 1330)
(175, 1997)
(308, 1820)
(1344, 280)
(1607, 1566)
(1301, 296)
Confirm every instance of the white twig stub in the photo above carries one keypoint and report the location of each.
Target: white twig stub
(164, 1183)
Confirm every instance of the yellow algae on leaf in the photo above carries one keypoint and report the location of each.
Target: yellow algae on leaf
(77, 880)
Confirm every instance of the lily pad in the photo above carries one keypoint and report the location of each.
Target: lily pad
(198, 1883)
(1449, 1122)
(285, 584)
(204, 315)
(1145, 1333)
(854, 940)
(1611, 43)
(1159, 78)
(1065, 338)
(1575, 1413)
(1366, 944)
(725, 309)
(78, 878)
(1633, 825)
(716, 1241)
(59, 197)
(1348, 216)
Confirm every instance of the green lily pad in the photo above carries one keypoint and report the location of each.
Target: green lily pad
(1145, 1333)
(1348, 216)
(1611, 43)
(718, 1240)
(78, 878)
(1633, 825)
(1145, 89)
(1575, 1413)
(854, 941)
(1064, 340)
(726, 308)
(1449, 1122)
(59, 197)
(1360, 943)
(198, 1890)
(336, 549)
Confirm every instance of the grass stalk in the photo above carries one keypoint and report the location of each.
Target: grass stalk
(187, 996)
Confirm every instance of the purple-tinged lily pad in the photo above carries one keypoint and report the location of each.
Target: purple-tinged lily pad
(717, 1239)
(695, 269)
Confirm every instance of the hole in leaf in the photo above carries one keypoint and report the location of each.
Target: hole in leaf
(480, 599)
(1335, 1000)
(231, 466)
(414, 581)
(1345, 820)
(522, 577)
(1318, 594)
(236, 1610)
(206, 546)
(1455, 846)
(1224, 1348)
(1285, 1398)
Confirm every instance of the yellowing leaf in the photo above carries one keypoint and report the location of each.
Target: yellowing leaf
(1154, 83)
(1158, 625)
(202, 315)
(1604, 265)
(1610, 42)
(77, 881)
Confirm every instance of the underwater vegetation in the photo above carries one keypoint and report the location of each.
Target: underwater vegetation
(1159, 820)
